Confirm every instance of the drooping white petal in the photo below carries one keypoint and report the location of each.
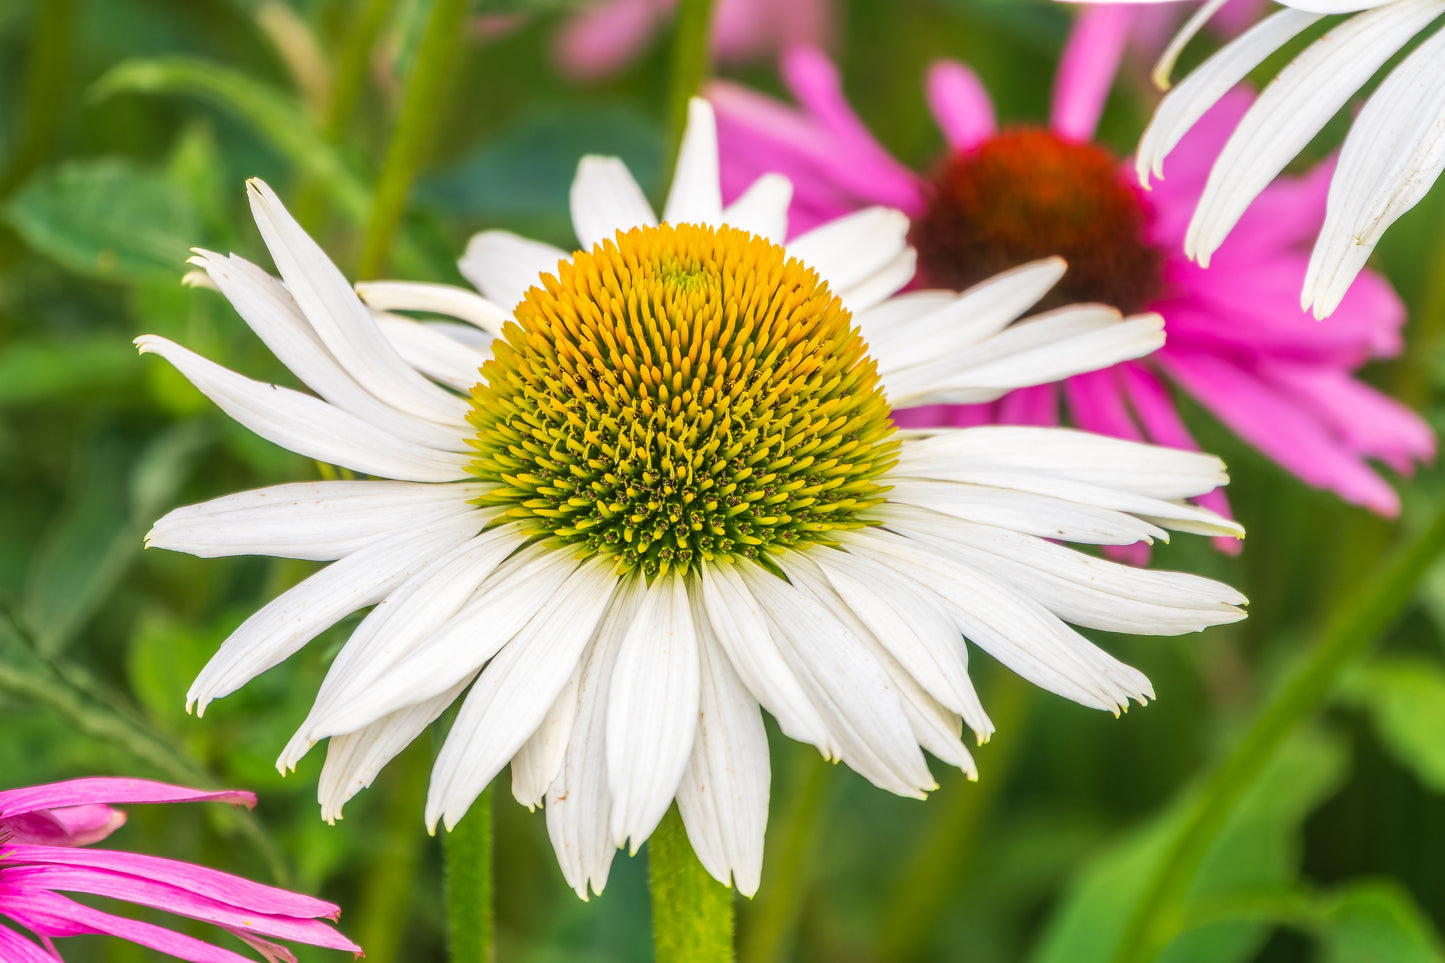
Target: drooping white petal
(1128, 466)
(1292, 110)
(605, 200)
(695, 196)
(579, 805)
(867, 726)
(307, 425)
(651, 711)
(354, 759)
(338, 317)
(268, 308)
(446, 631)
(1088, 591)
(1393, 155)
(443, 299)
(516, 689)
(723, 795)
(301, 613)
(504, 265)
(762, 209)
(320, 521)
(742, 629)
(1008, 624)
(436, 355)
(537, 763)
(1192, 98)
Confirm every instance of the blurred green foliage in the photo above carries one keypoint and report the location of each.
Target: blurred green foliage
(127, 128)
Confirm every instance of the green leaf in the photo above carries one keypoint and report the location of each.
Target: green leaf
(1258, 849)
(274, 114)
(107, 219)
(1405, 699)
(1377, 922)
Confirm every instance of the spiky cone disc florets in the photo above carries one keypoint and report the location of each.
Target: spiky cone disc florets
(679, 395)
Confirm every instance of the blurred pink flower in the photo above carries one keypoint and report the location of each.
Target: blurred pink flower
(602, 38)
(40, 827)
(1237, 340)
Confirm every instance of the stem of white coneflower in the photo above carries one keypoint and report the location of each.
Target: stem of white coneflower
(1356, 622)
(468, 849)
(692, 913)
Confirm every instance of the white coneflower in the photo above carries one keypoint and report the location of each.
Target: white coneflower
(673, 495)
(1392, 156)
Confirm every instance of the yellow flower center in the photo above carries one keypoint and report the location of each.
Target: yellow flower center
(682, 394)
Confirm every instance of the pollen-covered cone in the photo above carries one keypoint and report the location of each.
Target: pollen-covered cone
(641, 492)
(41, 830)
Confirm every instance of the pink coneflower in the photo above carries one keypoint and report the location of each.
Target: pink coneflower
(1237, 341)
(40, 828)
(604, 37)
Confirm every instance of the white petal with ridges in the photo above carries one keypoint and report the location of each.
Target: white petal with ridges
(695, 196)
(537, 763)
(443, 299)
(605, 200)
(503, 266)
(762, 209)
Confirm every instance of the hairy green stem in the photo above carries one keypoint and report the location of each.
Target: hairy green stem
(692, 913)
(772, 919)
(921, 894)
(419, 109)
(468, 850)
(690, 66)
(1355, 623)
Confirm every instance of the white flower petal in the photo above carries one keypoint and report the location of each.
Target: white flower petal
(353, 760)
(511, 698)
(1092, 592)
(320, 521)
(723, 795)
(741, 628)
(307, 425)
(579, 806)
(301, 613)
(268, 308)
(853, 248)
(762, 209)
(605, 200)
(443, 299)
(651, 711)
(1293, 108)
(503, 266)
(696, 193)
(343, 323)
(537, 763)
(430, 351)
(1192, 98)
(867, 726)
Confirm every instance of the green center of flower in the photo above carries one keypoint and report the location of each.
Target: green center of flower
(1028, 194)
(683, 394)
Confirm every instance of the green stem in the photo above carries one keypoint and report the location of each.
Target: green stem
(419, 109)
(352, 63)
(773, 918)
(46, 76)
(468, 850)
(690, 66)
(692, 913)
(921, 895)
(1356, 622)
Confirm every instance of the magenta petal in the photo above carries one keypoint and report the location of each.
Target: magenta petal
(944, 416)
(960, 105)
(1087, 68)
(55, 915)
(71, 826)
(1037, 405)
(102, 789)
(223, 887)
(1096, 401)
(15, 948)
(173, 899)
(601, 39)
(1280, 427)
